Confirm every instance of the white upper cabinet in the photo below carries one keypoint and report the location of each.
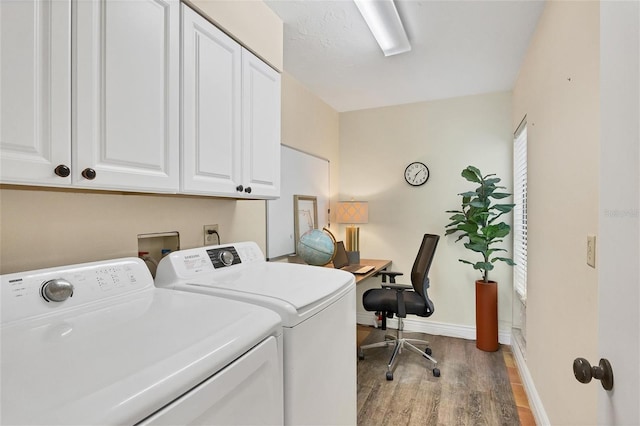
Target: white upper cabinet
(126, 103)
(231, 116)
(260, 127)
(211, 114)
(35, 92)
(90, 98)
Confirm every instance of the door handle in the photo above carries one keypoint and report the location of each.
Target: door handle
(584, 372)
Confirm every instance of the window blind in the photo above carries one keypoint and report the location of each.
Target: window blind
(520, 210)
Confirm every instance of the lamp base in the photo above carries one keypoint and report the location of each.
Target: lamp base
(354, 257)
(352, 242)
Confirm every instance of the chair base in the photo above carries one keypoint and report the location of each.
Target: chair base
(400, 343)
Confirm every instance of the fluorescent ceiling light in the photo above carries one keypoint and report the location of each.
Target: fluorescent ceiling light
(385, 24)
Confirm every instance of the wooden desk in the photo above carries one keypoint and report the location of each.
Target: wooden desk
(378, 265)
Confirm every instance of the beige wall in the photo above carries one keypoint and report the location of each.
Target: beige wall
(375, 147)
(312, 126)
(558, 90)
(45, 227)
(42, 227)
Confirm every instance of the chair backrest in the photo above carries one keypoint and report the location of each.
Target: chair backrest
(422, 264)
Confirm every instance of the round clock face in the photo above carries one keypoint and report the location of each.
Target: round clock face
(416, 173)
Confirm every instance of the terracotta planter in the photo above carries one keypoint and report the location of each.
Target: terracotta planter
(487, 315)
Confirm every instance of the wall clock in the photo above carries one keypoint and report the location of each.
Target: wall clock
(416, 173)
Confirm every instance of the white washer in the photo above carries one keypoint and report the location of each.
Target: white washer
(98, 343)
(318, 310)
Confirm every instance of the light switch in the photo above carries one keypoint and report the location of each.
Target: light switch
(591, 250)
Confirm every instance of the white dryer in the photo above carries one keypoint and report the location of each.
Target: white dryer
(99, 344)
(318, 310)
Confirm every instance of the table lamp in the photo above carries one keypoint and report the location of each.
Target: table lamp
(353, 212)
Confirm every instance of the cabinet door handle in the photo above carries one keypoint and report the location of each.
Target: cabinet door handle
(62, 171)
(89, 173)
(239, 188)
(247, 190)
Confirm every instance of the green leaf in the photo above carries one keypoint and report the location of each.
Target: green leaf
(461, 237)
(479, 248)
(499, 195)
(465, 261)
(472, 174)
(509, 262)
(458, 217)
(469, 227)
(478, 204)
(504, 208)
(468, 194)
(483, 266)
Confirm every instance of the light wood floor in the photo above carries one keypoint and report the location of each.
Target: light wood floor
(475, 387)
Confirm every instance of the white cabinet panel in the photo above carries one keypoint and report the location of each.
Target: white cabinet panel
(35, 91)
(211, 90)
(231, 116)
(126, 104)
(261, 127)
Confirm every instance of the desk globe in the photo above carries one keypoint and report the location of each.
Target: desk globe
(317, 247)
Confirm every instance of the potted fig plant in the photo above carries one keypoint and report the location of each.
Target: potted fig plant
(477, 225)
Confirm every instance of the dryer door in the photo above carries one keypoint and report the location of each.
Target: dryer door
(248, 391)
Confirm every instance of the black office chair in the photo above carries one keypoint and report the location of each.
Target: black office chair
(399, 300)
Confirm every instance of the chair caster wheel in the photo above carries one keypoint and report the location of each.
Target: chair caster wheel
(428, 351)
(389, 375)
(436, 372)
(360, 354)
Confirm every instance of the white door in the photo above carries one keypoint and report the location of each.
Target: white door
(260, 128)
(126, 104)
(35, 91)
(211, 108)
(619, 233)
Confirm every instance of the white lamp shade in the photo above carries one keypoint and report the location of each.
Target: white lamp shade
(353, 212)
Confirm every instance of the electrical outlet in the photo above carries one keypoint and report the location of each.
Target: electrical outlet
(591, 250)
(211, 236)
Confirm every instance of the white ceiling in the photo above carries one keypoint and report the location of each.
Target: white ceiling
(458, 48)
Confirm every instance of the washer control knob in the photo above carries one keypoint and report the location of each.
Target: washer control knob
(226, 257)
(57, 290)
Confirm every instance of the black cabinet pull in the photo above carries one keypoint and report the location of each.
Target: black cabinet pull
(89, 173)
(247, 190)
(62, 171)
(239, 188)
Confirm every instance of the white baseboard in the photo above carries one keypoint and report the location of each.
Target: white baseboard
(535, 403)
(436, 328)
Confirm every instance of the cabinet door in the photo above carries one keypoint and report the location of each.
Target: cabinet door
(211, 114)
(35, 91)
(260, 127)
(126, 105)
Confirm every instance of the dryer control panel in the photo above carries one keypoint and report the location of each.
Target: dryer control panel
(223, 256)
(204, 261)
